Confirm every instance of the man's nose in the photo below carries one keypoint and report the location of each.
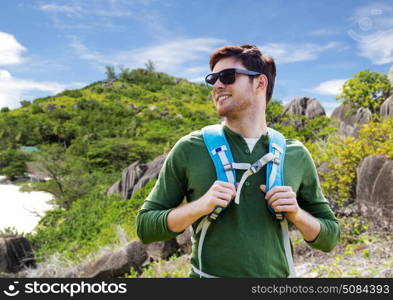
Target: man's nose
(218, 84)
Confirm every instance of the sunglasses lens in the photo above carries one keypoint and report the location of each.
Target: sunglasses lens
(211, 78)
(227, 76)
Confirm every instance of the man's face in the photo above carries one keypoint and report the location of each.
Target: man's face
(233, 100)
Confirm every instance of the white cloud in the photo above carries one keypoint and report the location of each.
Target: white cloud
(198, 79)
(75, 10)
(10, 49)
(378, 48)
(84, 53)
(78, 9)
(87, 14)
(198, 69)
(167, 57)
(289, 53)
(330, 87)
(12, 90)
(5, 75)
(69, 10)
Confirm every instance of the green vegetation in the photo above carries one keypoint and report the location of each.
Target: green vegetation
(13, 162)
(366, 89)
(343, 155)
(174, 267)
(298, 127)
(92, 222)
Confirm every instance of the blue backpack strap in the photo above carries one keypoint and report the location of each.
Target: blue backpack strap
(275, 168)
(219, 151)
(275, 177)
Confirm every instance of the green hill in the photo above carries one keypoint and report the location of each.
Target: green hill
(143, 113)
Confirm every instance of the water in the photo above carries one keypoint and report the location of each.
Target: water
(20, 209)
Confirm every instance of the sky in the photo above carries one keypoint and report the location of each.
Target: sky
(47, 46)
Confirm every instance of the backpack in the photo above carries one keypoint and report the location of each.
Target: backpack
(225, 166)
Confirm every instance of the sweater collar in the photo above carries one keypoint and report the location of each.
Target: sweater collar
(264, 139)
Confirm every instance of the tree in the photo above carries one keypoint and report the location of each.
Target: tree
(150, 65)
(4, 109)
(110, 73)
(275, 112)
(125, 74)
(13, 163)
(70, 178)
(24, 103)
(366, 89)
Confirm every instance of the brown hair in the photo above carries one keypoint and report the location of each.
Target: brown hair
(252, 59)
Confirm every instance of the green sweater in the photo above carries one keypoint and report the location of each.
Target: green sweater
(245, 240)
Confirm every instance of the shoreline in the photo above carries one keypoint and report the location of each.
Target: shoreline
(21, 210)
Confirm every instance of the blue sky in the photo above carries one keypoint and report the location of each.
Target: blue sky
(47, 46)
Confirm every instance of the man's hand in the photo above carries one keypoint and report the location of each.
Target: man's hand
(219, 194)
(283, 199)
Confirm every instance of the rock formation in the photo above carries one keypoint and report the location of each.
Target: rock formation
(117, 263)
(134, 256)
(374, 190)
(136, 176)
(15, 254)
(305, 106)
(386, 109)
(350, 121)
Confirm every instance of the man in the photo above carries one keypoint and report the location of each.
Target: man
(245, 240)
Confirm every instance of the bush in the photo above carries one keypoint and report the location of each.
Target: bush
(36, 109)
(71, 93)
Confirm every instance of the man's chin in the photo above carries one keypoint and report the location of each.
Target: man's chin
(221, 112)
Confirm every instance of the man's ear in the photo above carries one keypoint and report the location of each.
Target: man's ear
(262, 82)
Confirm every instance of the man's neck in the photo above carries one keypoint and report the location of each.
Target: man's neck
(247, 127)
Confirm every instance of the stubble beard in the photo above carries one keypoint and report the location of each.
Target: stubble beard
(233, 110)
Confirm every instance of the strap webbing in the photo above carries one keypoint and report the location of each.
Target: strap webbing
(202, 274)
(205, 223)
(254, 168)
(287, 247)
(224, 161)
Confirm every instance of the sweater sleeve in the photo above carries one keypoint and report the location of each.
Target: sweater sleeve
(311, 199)
(168, 193)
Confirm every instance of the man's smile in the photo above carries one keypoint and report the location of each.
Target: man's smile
(222, 97)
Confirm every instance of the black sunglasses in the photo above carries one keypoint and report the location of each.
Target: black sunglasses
(228, 76)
